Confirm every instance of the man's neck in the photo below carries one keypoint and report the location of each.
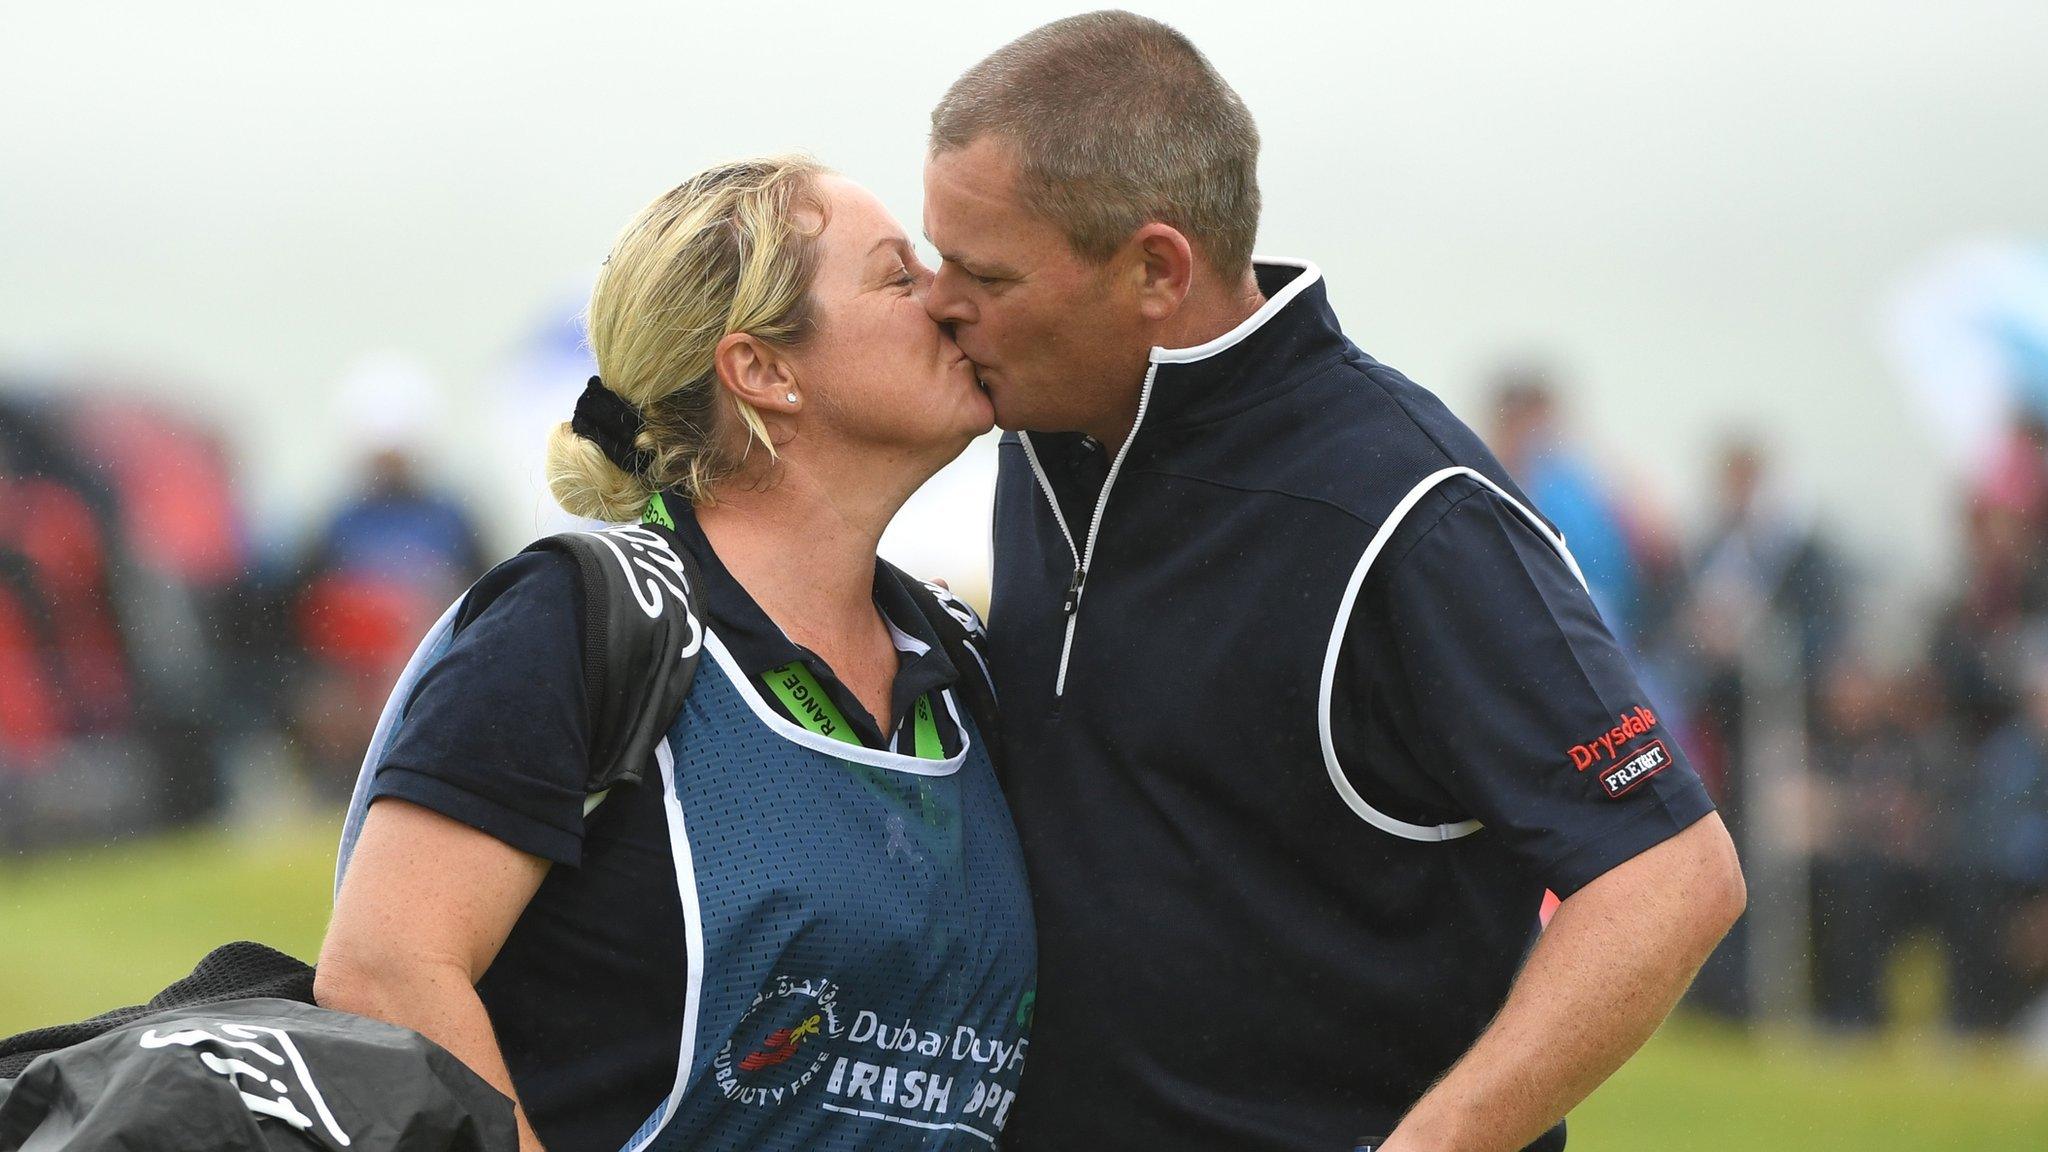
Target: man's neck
(1210, 310)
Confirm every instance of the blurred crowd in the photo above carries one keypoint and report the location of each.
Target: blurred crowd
(154, 655)
(154, 660)
(1907, 782)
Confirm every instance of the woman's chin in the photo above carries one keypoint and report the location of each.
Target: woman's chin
(984, 415)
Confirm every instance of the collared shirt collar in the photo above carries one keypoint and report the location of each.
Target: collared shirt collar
(760, 646)
(1259, 358)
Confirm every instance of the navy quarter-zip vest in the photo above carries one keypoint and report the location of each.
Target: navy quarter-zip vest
(1249, 939)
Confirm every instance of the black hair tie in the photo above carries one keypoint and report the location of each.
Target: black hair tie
(605, 419)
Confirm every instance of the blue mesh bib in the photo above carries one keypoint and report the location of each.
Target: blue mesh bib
(860, 948)
(859, 944)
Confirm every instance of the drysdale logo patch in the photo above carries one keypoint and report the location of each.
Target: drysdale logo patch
(1636, 769)
(1608, 746)
(776, 1049)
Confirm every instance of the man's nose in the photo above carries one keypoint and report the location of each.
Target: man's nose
(944, 300)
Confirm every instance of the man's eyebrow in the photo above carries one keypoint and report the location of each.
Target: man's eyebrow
(973, 266)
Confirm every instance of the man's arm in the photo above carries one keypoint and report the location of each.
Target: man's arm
(1602, 977)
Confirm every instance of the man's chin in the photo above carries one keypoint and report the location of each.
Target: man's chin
(1008, 417)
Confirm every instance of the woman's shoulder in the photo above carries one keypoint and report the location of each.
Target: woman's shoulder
(536, 582)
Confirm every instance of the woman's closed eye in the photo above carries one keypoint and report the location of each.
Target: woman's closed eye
(912, 276)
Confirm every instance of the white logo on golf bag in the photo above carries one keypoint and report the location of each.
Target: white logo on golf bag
(272, 1086)
(652, 567)
(959, 610)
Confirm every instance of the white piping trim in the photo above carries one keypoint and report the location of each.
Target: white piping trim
(904, 641)
(987, 677)
(1271, 308)
(693, 939)
(1350, 796)
(1059, 686)
(1044, 485)
(798, 734)
(1060, 518)
(946, 697)
(1268, 310)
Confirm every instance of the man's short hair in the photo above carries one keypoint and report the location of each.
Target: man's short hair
(1116, 121)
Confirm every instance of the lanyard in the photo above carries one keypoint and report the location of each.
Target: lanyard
(806, 700)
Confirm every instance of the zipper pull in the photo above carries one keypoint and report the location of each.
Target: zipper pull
(1072, 603)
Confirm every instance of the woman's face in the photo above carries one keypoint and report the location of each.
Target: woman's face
(877, 371)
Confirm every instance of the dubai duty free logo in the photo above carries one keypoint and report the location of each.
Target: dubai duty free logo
(778, 1047)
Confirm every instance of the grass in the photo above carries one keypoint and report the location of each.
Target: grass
(1699, 1087)
(86, 931)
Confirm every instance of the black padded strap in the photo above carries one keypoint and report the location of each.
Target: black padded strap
(961, 634)
(643, 632)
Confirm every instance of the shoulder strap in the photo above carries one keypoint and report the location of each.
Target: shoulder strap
(962, 635)
(642, 634)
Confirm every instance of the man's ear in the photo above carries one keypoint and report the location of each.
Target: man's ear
(1162, 268)
(756, 374)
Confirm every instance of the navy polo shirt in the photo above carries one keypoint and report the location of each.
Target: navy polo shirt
(496, 736)
(1294, 746)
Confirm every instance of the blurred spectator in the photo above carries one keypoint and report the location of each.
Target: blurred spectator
(2001, 884)
(1880, 759)
(1764, 560)
(1763, 608)
(119, 532)
(2015, 475)
(1566, 489)
(388, 561)
(1762, 579)
(187, 558)
(398, 526)
(398, 529)
(1976, 640)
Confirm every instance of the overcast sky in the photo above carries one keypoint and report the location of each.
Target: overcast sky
(1696, 207)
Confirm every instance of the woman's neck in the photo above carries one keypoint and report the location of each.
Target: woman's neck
(804, 545)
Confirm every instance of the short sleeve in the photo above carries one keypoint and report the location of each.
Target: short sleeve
(1480, 682)
(496, 732)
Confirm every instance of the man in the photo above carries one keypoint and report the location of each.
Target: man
(1304, 707)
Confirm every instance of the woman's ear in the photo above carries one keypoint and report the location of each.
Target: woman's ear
(756, 374)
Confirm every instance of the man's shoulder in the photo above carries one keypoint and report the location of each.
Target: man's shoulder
(1356, 435)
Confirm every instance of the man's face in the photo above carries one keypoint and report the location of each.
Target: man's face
(1058, 346)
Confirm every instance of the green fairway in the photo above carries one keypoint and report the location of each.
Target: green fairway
(81, 932)
(84, 932)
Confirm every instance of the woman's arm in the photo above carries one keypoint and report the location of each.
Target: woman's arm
(425, 906)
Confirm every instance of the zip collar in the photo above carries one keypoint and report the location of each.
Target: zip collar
(1305, 276)
(1212, 378)
(1256, 360)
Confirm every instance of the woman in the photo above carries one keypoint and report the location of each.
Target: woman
(811, 930)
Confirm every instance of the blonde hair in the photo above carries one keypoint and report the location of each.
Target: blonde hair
(721, 253)
(1116, 120)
